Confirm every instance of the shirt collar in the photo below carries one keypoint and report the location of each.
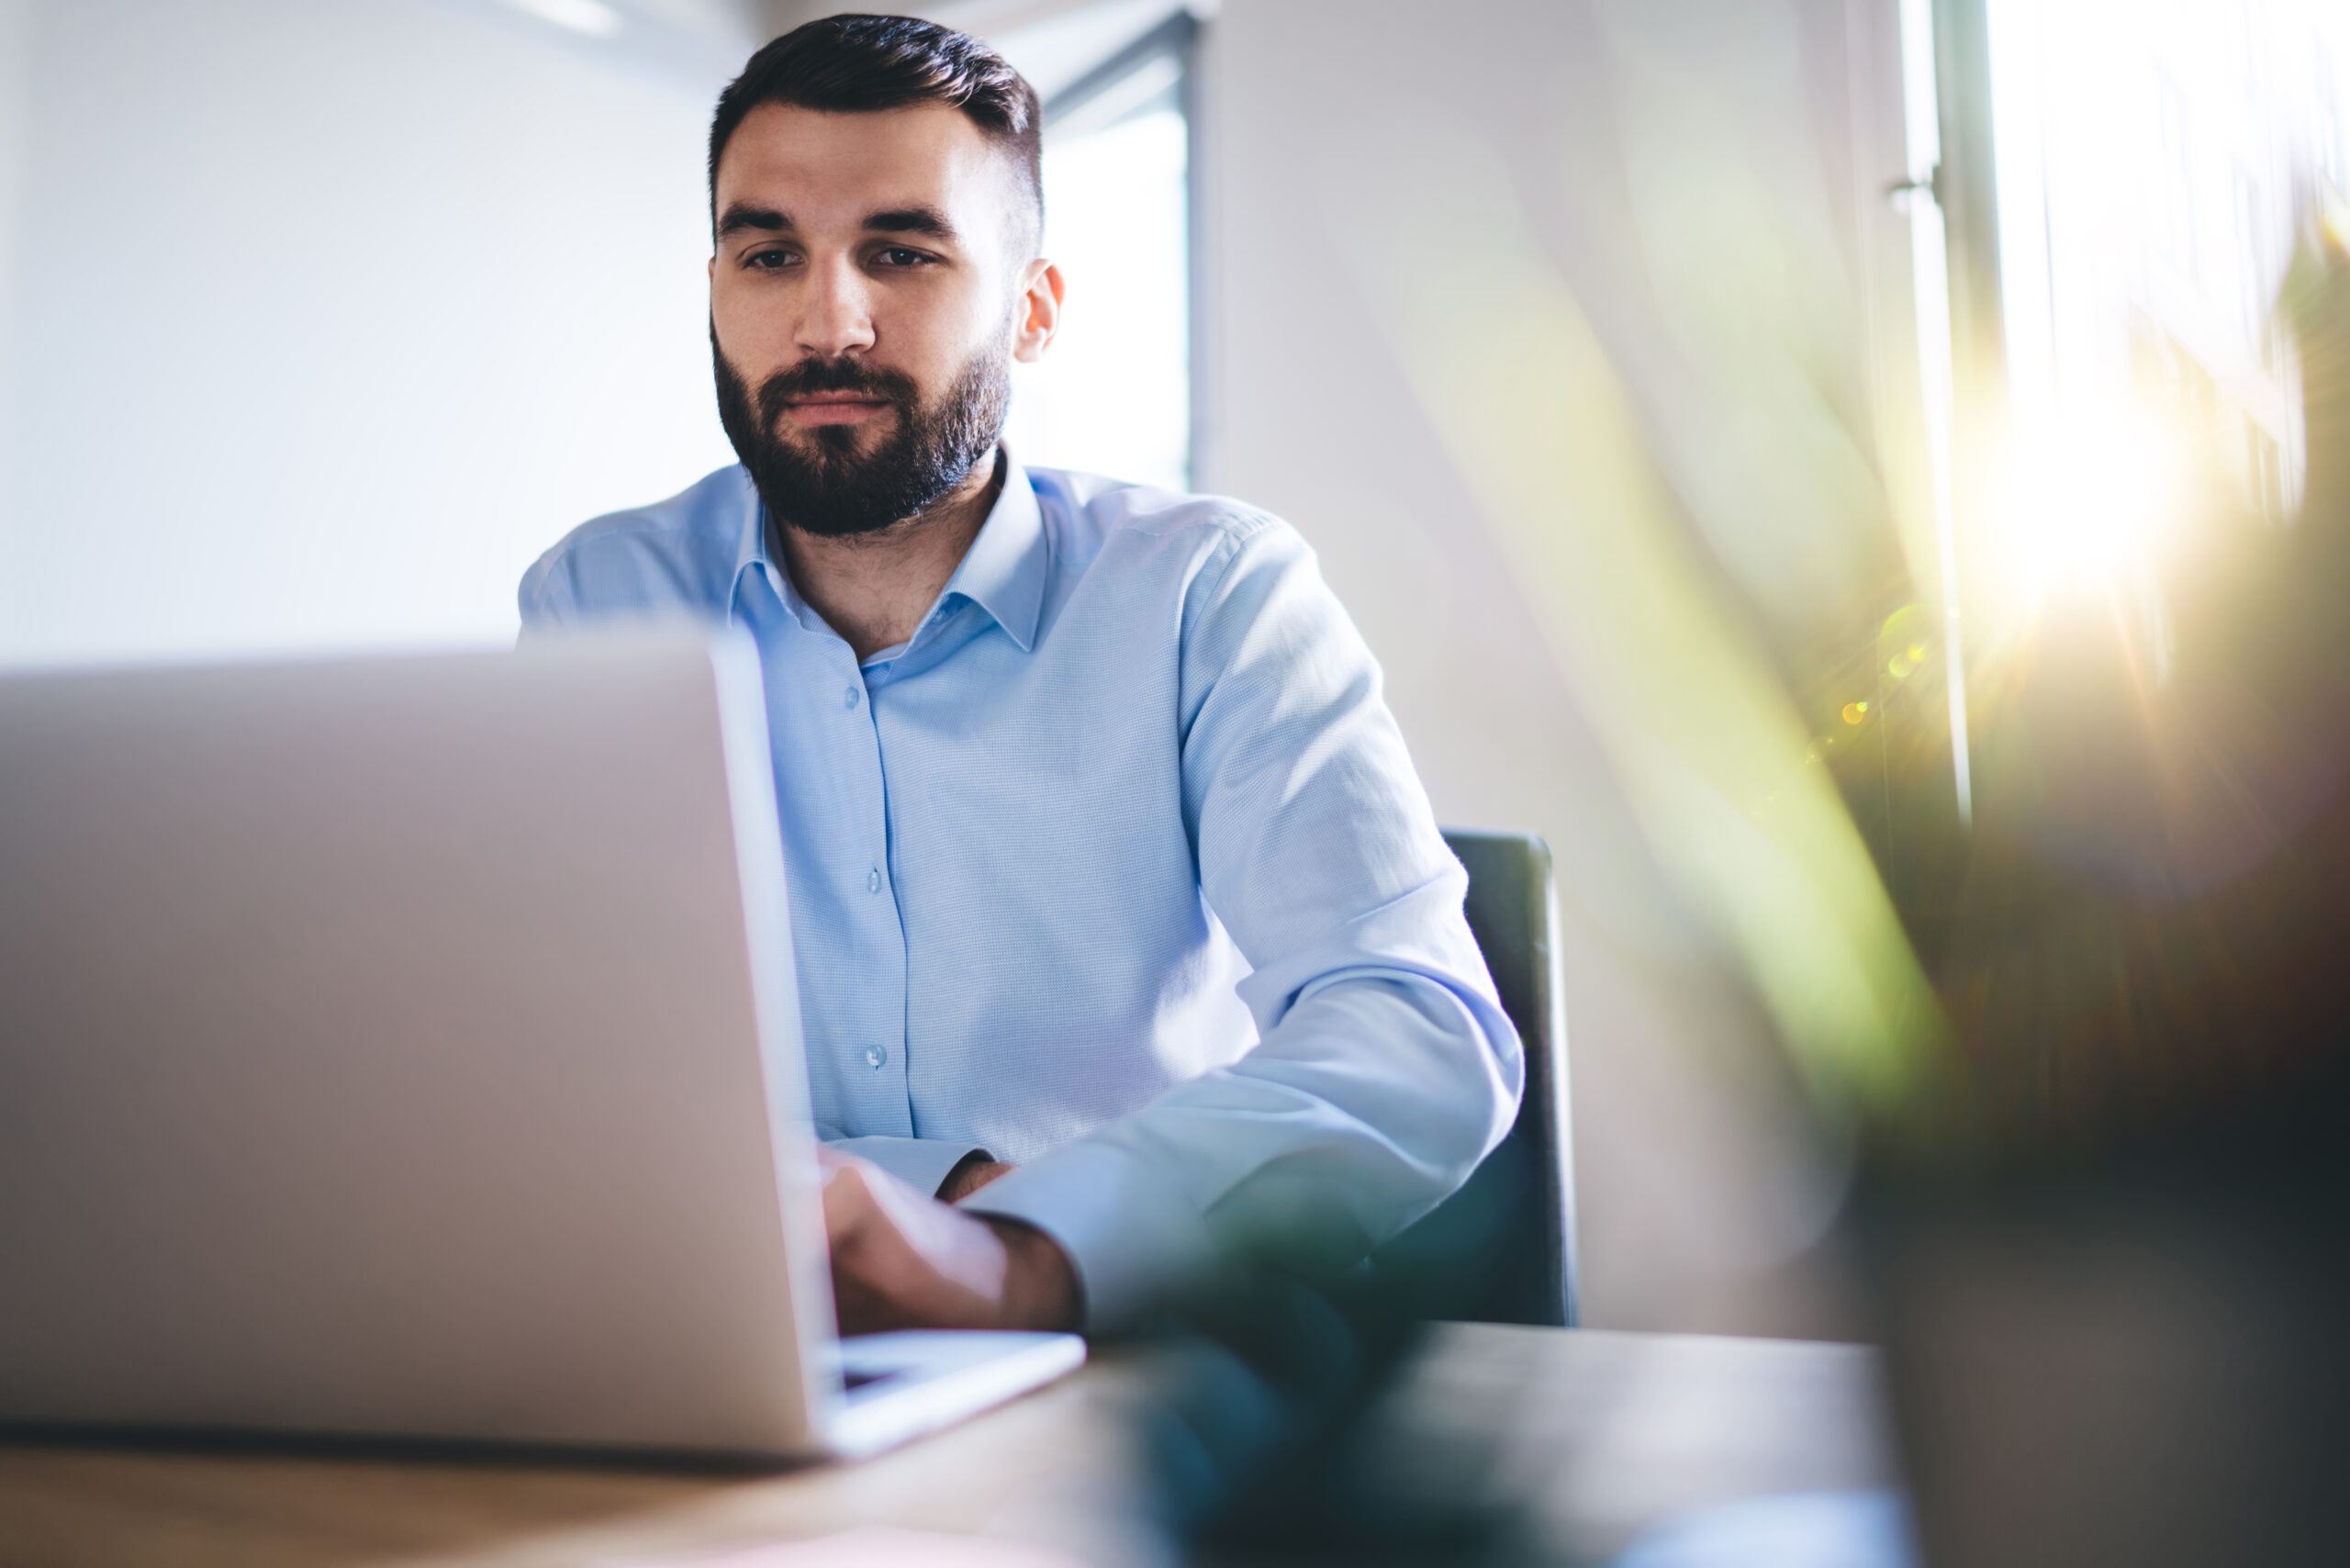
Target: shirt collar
(750, 547)
(1003, 571)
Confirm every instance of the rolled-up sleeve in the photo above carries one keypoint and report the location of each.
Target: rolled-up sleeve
(1385, 1069)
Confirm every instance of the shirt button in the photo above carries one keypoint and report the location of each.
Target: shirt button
(849, 695)
(876, 1056)
(873, 880)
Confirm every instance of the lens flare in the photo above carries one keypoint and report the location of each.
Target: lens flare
(2087, 503)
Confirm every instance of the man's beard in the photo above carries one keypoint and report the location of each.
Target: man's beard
(831, 489)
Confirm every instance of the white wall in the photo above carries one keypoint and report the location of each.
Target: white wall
(1685, 196)
(321, 320)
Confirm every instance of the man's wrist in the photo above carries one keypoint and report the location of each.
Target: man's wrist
(1040, 1286)
(970, 1173)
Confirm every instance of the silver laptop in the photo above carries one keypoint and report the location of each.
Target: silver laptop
(409, 1047)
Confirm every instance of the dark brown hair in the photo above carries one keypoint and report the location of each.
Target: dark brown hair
(853, 64)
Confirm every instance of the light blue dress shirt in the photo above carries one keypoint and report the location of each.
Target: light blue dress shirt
(1116, 869)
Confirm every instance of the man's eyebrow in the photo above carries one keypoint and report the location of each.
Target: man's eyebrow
(739, 216)
(910, 221)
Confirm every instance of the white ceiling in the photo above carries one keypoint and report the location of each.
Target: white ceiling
(704, 43)
(1051, 42)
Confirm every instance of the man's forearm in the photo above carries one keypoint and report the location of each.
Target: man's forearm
(1374, 1097)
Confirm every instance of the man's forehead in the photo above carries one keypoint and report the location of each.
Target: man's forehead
(822, 167)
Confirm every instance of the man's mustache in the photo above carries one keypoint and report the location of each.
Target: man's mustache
(785, 388)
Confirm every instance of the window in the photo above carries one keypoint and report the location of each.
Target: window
(2117, 189)
(1114, 394)
(2154, 165)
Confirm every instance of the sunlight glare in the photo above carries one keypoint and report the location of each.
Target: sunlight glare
(2088, 501)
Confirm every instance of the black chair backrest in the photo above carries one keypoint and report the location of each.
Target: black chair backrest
(1503, 1248)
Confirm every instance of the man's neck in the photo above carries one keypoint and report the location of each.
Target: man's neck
(874, 589)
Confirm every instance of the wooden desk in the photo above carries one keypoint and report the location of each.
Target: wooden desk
(1597, 1433)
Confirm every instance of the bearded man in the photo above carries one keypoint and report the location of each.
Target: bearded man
(1120, 913)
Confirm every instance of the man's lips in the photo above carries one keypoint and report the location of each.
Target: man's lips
(833, 409)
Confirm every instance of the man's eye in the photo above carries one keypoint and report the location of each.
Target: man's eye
(900, 256)
(768, 261)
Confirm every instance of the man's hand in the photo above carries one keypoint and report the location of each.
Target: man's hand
(901, 1260)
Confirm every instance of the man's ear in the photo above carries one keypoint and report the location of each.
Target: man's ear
(1040, 311)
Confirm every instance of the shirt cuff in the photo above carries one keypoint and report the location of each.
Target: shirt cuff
(1132, 1237)
(921, 1163)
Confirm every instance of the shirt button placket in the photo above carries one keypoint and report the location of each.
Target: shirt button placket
(853, 698)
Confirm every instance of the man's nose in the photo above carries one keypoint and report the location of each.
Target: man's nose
(836, 311)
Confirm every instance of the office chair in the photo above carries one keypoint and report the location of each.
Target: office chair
(1502, 1250)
